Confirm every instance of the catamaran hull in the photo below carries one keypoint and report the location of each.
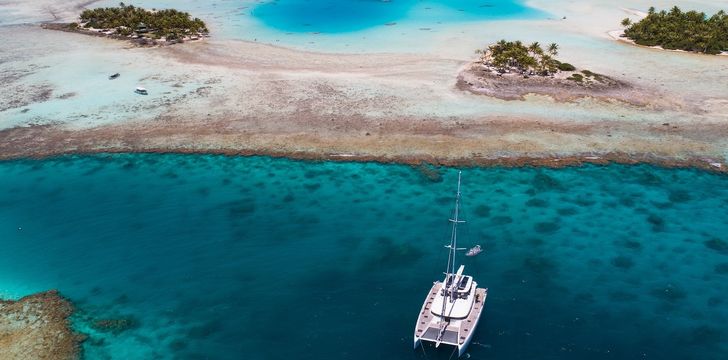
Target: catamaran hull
(459, 334)
(462, 347)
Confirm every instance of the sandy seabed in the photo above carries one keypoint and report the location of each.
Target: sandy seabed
(246, 97)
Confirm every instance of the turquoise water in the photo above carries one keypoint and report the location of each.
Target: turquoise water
(334, 16)
(258, 258)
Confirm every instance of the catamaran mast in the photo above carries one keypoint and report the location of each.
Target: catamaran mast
(454, 236)
(447, 287)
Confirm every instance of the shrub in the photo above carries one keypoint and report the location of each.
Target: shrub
(576, 77)
(675, 29)
(566, 67)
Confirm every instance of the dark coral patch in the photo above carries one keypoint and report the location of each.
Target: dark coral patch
(658, 223)
(205, 330)
(630, 244)
(649, 178)
(482, 211)
(718, 245)
(704, 335)
(584, 201)
(502, 220)
(679, 196)
(177, 345)
(669, 293)
(627, 201)
(721, 269)
(584, 298)
(241, 207)
(715, 301)
(312, 187)
(430, 172)
(569, 211)
(537, 203)
(620, 295)
(115, 325)
(539, 265)
(389, 253)
(546, 227)
(545, 182)
(622, 262)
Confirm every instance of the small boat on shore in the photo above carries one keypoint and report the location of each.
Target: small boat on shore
(114, 76)
(453, 306)
(141, 91)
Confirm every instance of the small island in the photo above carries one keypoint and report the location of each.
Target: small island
(509, 70)
(677, 30)
(141, 26)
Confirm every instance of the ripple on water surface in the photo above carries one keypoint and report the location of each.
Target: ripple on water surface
(187, 256)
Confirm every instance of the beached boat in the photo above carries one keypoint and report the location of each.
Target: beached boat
(453, 306)
(141, 91)
(114, 76)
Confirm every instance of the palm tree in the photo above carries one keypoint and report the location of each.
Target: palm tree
(626, 22)
(535, 48)
(553, 49)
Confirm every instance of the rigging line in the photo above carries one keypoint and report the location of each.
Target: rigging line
(422, 345)
(453, 352)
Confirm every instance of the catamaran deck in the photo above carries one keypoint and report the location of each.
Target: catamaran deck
(457, 331)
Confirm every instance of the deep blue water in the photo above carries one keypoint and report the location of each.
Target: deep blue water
(335, 16)
(258, 258)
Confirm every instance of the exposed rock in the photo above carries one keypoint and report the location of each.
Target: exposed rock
(37, 327)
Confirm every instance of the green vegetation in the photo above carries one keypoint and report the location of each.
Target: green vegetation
(127, 20)
(514, 55)
(675, 29)
(576, 77)
(516, 58)
(587, 76)
(565, 67)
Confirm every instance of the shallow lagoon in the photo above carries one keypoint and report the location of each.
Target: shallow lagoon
(333, 16)
(349, 26)
(224, 257)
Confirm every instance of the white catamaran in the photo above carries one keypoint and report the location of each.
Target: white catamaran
(452, 309)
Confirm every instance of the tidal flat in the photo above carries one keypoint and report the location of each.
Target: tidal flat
(383, 92)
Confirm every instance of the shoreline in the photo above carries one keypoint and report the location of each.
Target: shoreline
(546, 161)
(139, 42)
(617, 36)
(248, 98)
